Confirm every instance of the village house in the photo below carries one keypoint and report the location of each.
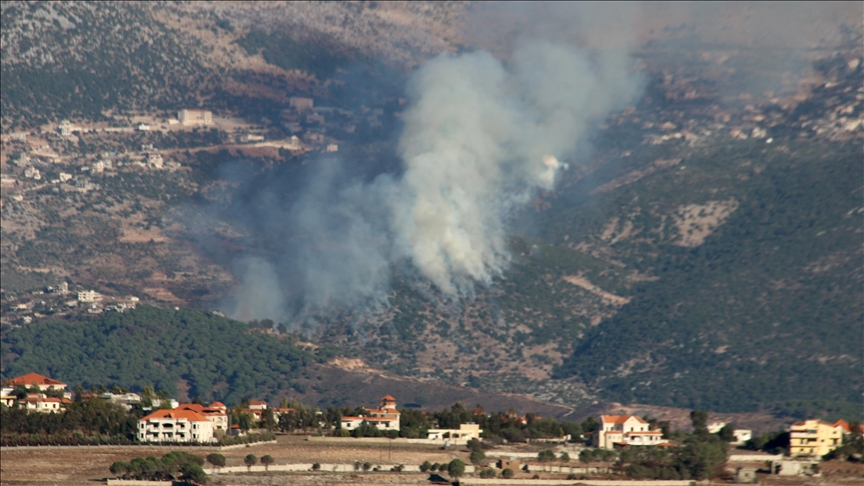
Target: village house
(216, 412)
(34, 380)
(195, 117)
(128, 399)
(256, 408)
(38, 402)
(465, 432)
(384, 418)
(89, 296)
(624, 430)
(741, 435)
(300, 104)
(815, 437)
(175, 426)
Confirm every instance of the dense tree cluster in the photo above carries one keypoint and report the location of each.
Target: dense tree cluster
(172, 466)
(158, 346)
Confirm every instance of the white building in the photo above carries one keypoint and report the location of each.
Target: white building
(300, 104)
(175, 426)
(625, 430)
(128, 400)
(251, 137)
(143, 127)
(155, 161)
(742, 435)
(195, 117)
(38, 402)
(332, 147)
(465, 432)
(32, 173)
(89, 296)
(65, 128)
(384, 418)
(64, 176)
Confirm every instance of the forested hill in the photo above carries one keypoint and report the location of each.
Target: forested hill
(766, 312)
(185, 351)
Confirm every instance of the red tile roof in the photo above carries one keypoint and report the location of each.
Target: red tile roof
(217, 405)
(844, 425)
(206, 411)
(189, 415)
(46, 399)
(388, 398)
(33, 378)
(619, 419)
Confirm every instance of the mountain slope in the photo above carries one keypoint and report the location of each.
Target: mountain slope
(765, 312)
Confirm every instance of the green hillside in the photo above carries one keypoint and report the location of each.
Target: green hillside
(179, 351)
(766, 313)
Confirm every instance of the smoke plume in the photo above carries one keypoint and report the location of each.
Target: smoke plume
(480, 137)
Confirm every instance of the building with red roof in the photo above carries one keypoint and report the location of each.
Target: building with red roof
(384, 418)
(35, 380)
(175, 426)
(217, 415)
(37, 402)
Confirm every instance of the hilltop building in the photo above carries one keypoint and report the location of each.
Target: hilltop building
(384, 418)
(89, 296)
(195, 117)
(300, 104)
(624, 430)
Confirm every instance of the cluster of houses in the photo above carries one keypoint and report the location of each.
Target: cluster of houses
(190, 422)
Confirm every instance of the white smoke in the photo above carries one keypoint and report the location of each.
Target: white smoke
(481, 137)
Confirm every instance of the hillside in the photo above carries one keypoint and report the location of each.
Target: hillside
(759, 313)
(702, 249)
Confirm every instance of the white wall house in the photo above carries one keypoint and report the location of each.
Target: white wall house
(464, 432)
(40, 403)
(625, 430)
(384, 418)
(175, 426)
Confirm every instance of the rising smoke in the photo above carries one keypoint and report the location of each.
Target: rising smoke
(480, 137)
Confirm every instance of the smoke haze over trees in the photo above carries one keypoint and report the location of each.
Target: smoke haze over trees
(480, 137)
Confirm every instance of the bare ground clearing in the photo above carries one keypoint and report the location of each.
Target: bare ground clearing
(81, 466)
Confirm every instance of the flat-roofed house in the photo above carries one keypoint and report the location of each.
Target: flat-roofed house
(814, 438)
(195, 117)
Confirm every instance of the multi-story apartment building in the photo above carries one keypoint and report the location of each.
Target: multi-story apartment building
(814, 438)
(175, 426)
